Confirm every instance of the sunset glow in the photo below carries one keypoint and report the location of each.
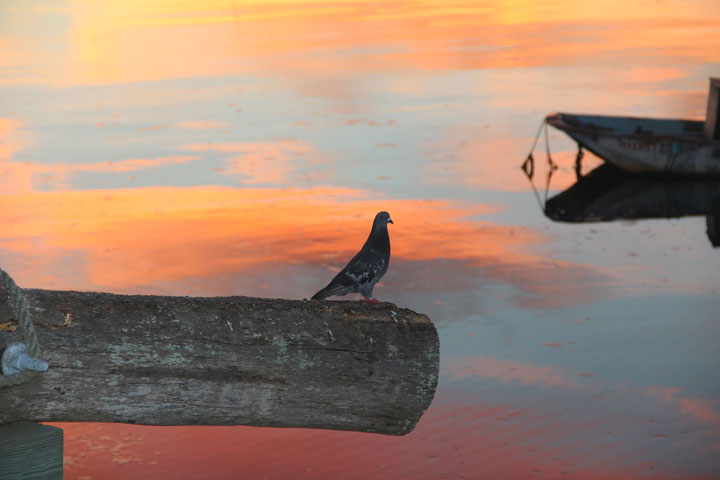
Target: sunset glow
(114, 41)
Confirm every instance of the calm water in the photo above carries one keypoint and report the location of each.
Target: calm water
(218, 148)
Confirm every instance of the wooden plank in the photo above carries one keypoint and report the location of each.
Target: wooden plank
(226, 361)
(712, 118)
(30, 451)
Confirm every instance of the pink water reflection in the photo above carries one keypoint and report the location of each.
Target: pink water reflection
(479, 440)
(461, 436)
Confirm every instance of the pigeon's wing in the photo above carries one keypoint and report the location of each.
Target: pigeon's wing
(364, 268)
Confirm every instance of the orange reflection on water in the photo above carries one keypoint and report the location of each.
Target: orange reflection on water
(10, 133)
(264, 162)
(138, 239)
(490, 159)
(142, 235)
(114, 41)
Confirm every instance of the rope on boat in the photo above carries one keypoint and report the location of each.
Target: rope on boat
(528, 165)
(672, 156)
(552, 166)
(578, 162)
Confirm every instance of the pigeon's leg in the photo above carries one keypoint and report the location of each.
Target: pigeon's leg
(366, 291)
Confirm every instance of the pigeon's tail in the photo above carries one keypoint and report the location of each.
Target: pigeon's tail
(329, 291)
(321, 295)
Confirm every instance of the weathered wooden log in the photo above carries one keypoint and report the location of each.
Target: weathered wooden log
(157, 360)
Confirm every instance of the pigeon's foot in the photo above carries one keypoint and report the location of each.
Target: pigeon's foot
(372, 300)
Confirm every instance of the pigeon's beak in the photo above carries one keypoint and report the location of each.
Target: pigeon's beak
(390, 221)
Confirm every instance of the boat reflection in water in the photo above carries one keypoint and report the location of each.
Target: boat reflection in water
(607, 193)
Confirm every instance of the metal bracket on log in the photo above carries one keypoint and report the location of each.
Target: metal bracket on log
(157, 360)
(15, 359)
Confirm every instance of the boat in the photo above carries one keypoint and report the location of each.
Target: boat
(608, 193)
(650, 145)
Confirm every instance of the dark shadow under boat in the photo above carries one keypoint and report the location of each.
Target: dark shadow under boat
(608, 193)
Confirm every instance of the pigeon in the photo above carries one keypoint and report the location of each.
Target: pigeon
(366, 268)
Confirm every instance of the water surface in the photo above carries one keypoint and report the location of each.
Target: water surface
(243, 148)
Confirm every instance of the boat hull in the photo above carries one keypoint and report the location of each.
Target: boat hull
(642, 145)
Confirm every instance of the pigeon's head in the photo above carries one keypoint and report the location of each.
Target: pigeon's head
(382, 219)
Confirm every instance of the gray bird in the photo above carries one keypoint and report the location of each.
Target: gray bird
(367, 267)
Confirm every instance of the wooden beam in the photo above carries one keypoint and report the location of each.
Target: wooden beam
(158, 360)
(712, 117)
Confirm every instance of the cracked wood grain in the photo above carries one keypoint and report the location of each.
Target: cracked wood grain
(159, 360)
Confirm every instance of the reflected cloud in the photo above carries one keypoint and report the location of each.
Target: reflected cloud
(10, 138)
(486, 157)
(114, 41)
(203, 125)
(645, 75)
(655, 400)
(504, 371)
(702, 410)
(271, 163)
(150, 239)
(18, 177)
